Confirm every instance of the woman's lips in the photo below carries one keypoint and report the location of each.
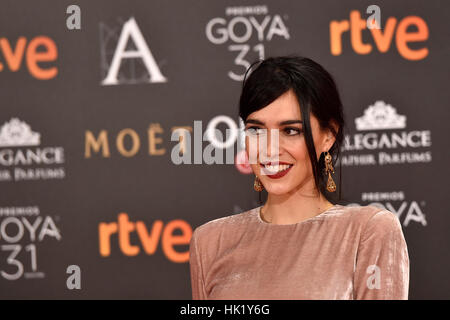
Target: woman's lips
(278, 174)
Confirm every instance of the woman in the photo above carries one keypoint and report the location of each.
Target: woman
(298, 245)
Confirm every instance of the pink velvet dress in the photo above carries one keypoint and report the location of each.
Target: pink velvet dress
(342, 253)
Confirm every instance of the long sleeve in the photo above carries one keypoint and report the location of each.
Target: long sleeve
(382, 263)
(196, 269)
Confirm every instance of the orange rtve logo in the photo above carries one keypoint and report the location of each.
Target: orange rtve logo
(148, 240)
(382, 38)
(14, 57)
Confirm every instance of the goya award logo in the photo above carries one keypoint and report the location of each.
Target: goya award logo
(22, 231)
(244, 31)
(23, 158)
(409, 211)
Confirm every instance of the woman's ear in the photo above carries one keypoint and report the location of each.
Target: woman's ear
(330, 137)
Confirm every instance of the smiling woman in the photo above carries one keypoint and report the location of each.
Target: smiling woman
(299, 98)
(299, 244)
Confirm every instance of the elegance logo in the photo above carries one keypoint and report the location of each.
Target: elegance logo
(383, 118)
(17, 133)
(380, 116)
(20, 146)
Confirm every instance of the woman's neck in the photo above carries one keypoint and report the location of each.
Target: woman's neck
(293, 208)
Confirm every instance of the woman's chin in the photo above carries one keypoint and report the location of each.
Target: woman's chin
(277, 189)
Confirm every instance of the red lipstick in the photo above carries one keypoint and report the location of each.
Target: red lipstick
(279, 174)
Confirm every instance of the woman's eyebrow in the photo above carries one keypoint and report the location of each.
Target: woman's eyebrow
(290, 122)
(281, 123)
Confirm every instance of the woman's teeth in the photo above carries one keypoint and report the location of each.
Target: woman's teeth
(277, 168)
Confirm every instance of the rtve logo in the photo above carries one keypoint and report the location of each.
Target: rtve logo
(48, 52)
(382, 37)
(149, 240)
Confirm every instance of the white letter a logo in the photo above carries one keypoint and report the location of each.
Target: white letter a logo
(131, 29)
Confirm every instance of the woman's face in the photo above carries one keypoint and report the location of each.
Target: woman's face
(294, 171)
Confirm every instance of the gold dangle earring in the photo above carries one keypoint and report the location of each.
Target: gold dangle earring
(331, 186)
(257, 185)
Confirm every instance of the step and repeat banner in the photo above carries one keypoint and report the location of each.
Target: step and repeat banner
(99, 99)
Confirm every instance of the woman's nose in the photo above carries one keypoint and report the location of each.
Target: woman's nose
(271, 146)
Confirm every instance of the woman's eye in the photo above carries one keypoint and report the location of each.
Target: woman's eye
(292, 131)
(254, 130)
(259, 131)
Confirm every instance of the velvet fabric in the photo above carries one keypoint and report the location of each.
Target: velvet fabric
(345, 252)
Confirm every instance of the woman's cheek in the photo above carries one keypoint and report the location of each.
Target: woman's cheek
(297, 149)
(251, 148)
